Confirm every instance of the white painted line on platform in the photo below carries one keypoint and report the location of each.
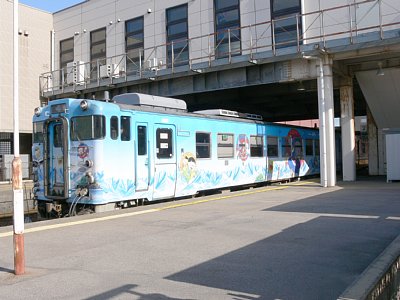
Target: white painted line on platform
(124, 215)
(393, 218)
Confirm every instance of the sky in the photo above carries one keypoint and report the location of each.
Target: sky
(50, 5)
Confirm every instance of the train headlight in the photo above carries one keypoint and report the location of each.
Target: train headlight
(38, 111)
(89, 163)
(84, 105)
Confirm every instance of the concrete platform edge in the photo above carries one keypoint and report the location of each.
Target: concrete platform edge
(368, 279)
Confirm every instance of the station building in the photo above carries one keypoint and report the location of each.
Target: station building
(284, 60)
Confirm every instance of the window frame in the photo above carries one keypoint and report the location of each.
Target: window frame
(225, 145)
(73, 135)
(169, 153)
(203, 144)
(222, 29)
(258, 146)
(134, 61)
(94, 58)
(269, 145)
(177, 38)
(283, 15)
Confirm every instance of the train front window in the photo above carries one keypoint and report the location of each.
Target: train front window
(38, 132)
(88, 128)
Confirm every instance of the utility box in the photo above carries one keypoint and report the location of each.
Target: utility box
(393, 156)
(6, 166)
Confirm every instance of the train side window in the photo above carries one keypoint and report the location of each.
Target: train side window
(286, 147)
(142, 140)
(297, 146)
(256, 146)
(225, 147)
(316, 146)
(114, 127)
(125, 128)
(203, 145)
(272, 146)
(164, 143)
(309, 147)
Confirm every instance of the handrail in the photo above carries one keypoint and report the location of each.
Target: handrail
(344, 21)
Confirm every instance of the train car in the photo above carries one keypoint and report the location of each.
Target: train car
(104, 155)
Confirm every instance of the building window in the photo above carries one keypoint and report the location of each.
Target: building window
(225, 147)
(203, 145)
(97, 50)
(134, 44)
(177, 35)
(227, 27)
(284, 13)
(66, 55)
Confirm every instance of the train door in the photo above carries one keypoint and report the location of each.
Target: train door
(55, 161)
(165, 161)
(142, 157)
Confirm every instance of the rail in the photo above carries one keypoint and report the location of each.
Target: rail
(348, 22)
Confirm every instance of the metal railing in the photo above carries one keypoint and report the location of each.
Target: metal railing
(349, 22)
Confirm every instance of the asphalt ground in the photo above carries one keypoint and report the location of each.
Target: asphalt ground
(295, 241)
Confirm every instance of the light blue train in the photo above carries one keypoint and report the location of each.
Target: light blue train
(103, 155)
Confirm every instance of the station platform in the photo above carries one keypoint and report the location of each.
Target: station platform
(288, 241)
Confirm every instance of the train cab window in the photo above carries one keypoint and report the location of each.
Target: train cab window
(88, 128)
(142, 140)
(272, 146)
(203, 145)
(225, 147)
(164, 143)
(38, 132)
(125, 128)
(297, 147)
(316, 145)
(256, 146)
(309, 147)
(286, 147)
(114, 127)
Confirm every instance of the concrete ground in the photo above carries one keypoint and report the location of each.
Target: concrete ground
(297, 241)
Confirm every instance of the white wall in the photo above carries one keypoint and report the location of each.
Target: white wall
(34, 59)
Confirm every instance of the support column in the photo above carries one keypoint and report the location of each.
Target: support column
(347, 130)
(329, 119)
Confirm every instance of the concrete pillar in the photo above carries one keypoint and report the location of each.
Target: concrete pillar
(347, 130)
(322, 124)
(376, 147)
(330, 126)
